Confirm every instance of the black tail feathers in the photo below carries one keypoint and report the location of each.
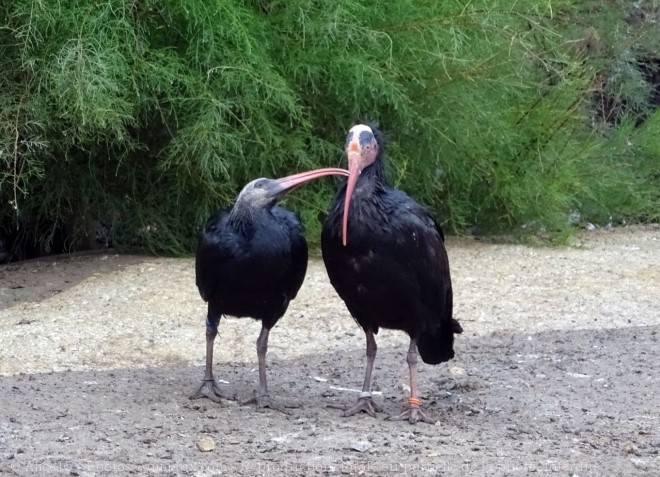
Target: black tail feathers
(437, 346)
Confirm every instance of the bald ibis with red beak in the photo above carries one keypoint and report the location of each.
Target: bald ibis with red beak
(251, 261)
(386, 259)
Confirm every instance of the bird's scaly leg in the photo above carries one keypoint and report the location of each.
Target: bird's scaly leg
(262, 396)
(414, 413)
(209, 388)
(365, 403)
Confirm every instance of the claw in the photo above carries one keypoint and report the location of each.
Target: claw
(265, 401)
(364, 404)
(413, 414)
(209, 390)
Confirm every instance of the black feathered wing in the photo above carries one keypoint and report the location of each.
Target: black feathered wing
(299, 251)
(214, 257)
(436, 343)
(254, 268)
(234, 260)
(394, 272)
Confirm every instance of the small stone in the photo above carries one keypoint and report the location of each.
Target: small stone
(361, 446)
(639, 463)
(206, 444)
(578, 375)
(456, 371)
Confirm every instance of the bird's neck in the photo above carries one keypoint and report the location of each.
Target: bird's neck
(376, 172)
(244, 218)
(371, 180)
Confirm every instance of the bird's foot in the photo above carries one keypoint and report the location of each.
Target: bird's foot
(363, 404)
(266, 401)
(413, 414)
(209, 390)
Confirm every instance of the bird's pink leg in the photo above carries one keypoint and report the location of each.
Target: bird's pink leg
(414, 413)
(365, 403)
(209, 388)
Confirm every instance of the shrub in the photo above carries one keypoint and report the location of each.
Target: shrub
(150, 115)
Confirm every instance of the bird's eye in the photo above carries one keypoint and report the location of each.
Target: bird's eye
(368, 147)
(260, 184)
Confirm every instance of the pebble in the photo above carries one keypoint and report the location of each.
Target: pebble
(361, 446)
(456, 371)
(206, 444)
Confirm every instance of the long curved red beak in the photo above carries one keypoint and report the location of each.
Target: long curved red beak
(354, 169)
(288, 183)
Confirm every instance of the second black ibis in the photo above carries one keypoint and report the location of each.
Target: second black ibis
(385, 256)
(251, 261)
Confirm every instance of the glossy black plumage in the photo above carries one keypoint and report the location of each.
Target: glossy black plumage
(251, 266)
(251, 261)
(393, 271)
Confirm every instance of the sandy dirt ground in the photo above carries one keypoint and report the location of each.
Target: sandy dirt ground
(557, 372)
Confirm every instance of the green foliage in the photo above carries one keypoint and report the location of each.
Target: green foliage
(620, 170)
(148, 115)
(624, 176)
(152, 114)
(619, 41)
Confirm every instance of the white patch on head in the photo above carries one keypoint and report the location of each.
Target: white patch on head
(358, 128)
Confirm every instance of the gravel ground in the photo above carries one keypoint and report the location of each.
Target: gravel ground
(556, 373)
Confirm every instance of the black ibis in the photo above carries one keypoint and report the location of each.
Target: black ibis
(385, 257)
(251, 261)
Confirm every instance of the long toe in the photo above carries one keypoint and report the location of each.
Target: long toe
(209, 390)
(364, 404)
(413, 415)
(266, 401)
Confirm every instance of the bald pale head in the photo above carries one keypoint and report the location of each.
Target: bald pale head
(362, 151)
(259, 193)
(263, 193)
(358, 128)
